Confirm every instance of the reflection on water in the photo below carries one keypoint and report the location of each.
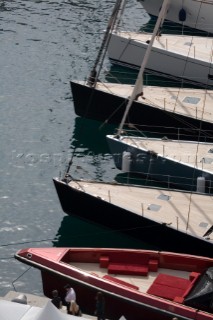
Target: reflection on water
(44, 45)
(173, 28)
(75, 232)
(89, 136)
(89, 156)
(125, 75)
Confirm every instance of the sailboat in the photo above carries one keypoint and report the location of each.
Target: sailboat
(186, 58)
(169, 111)
(150, 214)
(195, 14)
(177, 162)
(173, 220)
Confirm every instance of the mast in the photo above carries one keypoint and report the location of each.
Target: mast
(120, 14)
(138, 88)
(113, 23)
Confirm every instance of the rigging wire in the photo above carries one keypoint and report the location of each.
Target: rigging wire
(94, 75)
(154, 226)
(20, 277)
(24, 242)
(111, 24)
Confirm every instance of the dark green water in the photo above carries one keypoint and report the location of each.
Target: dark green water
(44, 45)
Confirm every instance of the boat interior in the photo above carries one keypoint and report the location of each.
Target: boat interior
(181, 279)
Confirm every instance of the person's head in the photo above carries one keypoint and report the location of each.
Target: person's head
(55, 293)
(67, 287)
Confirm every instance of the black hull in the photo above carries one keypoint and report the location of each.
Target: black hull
(105, 107)
(88, 207)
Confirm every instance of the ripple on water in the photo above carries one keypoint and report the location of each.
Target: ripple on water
(45, 44)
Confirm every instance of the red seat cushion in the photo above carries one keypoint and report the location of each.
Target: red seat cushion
(164, 291)
(169, 287)
(153, 265)
(172, 281)
(104, 261)
(128, 269)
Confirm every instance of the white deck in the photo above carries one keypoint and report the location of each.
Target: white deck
(143, 282)
(193, 154)
(188, 212)
(194, 103)
(199, 48)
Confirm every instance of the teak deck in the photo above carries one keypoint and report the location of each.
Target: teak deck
(188, 212)
(194, 103)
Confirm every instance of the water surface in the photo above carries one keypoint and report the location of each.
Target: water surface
(45, 44)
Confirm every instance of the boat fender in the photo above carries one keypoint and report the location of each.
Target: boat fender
(201, 184)
(126, 161)
(182, 15)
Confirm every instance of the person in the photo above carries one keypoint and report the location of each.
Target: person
(70, 296)
(56, 300)
(74, 309)
(100, 306)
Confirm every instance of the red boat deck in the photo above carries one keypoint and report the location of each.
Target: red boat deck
(172, 287)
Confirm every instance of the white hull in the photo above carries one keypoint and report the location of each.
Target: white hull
(180, 57)
(198, 13)
(185, 164)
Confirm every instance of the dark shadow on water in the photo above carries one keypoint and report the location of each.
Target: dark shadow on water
(125, 75)
(90, 136)
(75, 232)
(174, 28)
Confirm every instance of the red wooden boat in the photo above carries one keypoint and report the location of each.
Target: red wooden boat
(136, 283)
